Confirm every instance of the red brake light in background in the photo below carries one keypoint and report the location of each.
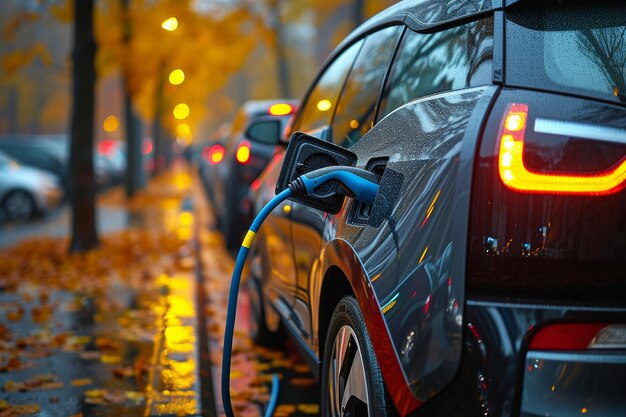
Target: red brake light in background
(243, 153)
(516, 176)
(280, 109)
(147, 147)
(106, 147)
(213, 154)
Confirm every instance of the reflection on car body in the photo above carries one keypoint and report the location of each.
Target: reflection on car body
(504, 259)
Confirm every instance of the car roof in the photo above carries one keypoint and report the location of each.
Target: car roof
(421, 15)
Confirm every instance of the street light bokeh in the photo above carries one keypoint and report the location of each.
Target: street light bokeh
(177, 77)
(110, 124)
(170, 24)
(181, 111)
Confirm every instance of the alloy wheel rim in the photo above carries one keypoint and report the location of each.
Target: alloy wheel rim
(19, 206)
(347, 385)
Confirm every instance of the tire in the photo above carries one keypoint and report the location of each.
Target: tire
(355, 388)
(19, 205)
(259, 332)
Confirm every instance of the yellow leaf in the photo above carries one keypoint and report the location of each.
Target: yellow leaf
(82, 382)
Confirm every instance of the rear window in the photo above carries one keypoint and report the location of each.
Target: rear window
(577, 47)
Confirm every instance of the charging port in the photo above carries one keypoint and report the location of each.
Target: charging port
(361, 212)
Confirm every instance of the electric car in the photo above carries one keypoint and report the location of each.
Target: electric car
(490, 278)
(240, 158)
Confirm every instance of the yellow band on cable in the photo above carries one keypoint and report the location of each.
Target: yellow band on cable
(247, 241)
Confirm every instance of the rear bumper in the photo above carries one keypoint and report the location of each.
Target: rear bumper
(563, 384)
(509, 379)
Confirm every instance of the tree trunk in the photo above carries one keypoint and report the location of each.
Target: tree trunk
(82, 181)
(134, 162)
(358, 12)
(282, 66)
(158, 137)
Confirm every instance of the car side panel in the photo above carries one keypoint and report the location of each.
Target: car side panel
(415, 260)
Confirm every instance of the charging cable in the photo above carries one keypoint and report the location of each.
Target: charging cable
(357, 183)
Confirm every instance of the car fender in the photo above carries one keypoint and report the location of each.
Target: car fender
(338, 253)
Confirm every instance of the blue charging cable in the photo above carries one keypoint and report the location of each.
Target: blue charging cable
(357, 183)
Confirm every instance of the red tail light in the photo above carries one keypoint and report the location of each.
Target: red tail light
(516, 176)
(243, 153)
(280, 109)
(147, 147)
(107, 147)
(579, 336)
(213, 154)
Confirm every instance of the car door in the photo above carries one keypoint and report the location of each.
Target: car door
(353, 116)
(432, 107)
(280, 259)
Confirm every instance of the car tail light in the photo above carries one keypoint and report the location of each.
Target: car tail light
(517, 176)
(280, 109)
(213, 154)
(106, 147)
(147, 147)
(579, 336)
(243, 153)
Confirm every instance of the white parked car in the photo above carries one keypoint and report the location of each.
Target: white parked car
(26, 191)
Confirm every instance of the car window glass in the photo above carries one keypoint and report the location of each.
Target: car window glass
(265, 132)
(321, 102)
(356, 109)
(443, 61)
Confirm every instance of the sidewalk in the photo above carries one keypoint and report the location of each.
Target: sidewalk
(111, 332)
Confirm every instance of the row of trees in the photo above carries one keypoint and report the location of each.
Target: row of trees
(145, 41)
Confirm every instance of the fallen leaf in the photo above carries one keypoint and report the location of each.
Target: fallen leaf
(52, 385)
(23, 409)
(81, 382)
(123, 372)
(135, 396)
(309, 408)
(111, 359)
(303, 382)
(94, 393)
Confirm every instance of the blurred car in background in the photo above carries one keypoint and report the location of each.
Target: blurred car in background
(239, 158)
(46, 152)
(51, 153)
(26, 191)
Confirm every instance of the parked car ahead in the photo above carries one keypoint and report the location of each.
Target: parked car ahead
(495, 285)
(26, 191)
(238, 160)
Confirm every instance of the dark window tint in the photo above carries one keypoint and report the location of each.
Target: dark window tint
(573, 46)
(265, 132)
(320, 104)
(356, 109)
(448, 60)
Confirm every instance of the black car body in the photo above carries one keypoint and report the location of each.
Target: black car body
(497, 285)
(243, 154)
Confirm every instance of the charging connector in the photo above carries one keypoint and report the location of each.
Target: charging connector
(357, 183)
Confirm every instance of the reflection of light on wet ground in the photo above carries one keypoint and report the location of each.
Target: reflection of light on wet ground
(174, 388)
(182, 181)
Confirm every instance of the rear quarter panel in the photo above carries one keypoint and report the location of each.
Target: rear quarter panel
(411, 287)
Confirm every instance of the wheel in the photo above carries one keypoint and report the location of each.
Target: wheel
(260, 333)
(18, 205)
(352, 384)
